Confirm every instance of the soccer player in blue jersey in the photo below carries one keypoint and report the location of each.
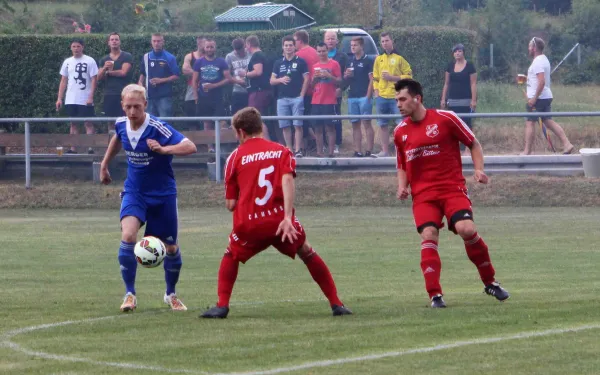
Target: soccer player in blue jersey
(150, 193)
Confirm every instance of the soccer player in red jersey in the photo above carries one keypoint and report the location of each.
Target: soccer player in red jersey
(260, 190)
(429, 161)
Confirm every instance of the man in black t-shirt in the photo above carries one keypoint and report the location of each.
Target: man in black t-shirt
(259, 88)
(291, 76)
(116, 71)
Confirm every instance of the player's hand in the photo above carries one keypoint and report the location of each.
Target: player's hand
(90, 101)
(402, 193)
(443, 104)
(480, 177)
(531, 102)
(58, 104)
(375, 93)
(105, 175)
(287, 231)
(473, 105)
(386, 76)
(155, 81)
(155, 146)
(285, 80)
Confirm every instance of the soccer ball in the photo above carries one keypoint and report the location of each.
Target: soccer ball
(150, 252)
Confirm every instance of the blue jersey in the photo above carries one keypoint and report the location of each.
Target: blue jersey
(148, 172)
(159, 65)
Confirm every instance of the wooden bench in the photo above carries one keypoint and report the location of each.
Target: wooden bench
(99, 142)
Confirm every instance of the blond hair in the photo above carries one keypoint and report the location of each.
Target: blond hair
(133, 89)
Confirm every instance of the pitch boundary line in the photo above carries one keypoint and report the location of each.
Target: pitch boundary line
(6, 341)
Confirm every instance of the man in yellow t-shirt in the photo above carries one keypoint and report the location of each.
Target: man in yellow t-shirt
(389, 68)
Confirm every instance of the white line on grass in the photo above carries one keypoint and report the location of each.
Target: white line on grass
(6, 341)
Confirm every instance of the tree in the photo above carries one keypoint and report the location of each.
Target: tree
(584, 22)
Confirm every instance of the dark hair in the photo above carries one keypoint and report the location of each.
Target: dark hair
(359, 40)
(158, 35)
(253, 41)
(238, 44)
(111, 34)
(209, 40)
(539, 44)
(77, 40)
(248, 120)
(287, 38)
(385, 33)
(302, 35)
(457, 47)
(321, 44)
(414, 87)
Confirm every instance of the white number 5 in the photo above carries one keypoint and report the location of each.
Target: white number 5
(263, 182)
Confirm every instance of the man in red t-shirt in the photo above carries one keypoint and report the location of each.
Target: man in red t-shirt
(325, 77)
(259, 190)
(429, 161)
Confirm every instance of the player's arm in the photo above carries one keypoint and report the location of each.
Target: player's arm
(183, 148)
(113, 149)
(257, 71)
(142, 80)
(186, 68)
(445, 90)
(540, 87)
(305, 84)
(403, 192)
(477, 156)
(195, 84)
(402, 185)
(226, 80)
(90, 100)
(230, 204)
(61, 92)
(286, 227)
(125, 68)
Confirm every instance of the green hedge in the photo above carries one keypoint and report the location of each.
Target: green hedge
(31, 63)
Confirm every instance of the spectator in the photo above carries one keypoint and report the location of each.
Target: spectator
(158, 72)
(389, 68)
(116, 72)
(331, 40)
(257, 77)
(79, 74)
(291, 74)
(211, 73)
(459, 94)
(238, 60)
(326, 76)
(539, 97)
(189, 107)
(359, 75)
(308, 54)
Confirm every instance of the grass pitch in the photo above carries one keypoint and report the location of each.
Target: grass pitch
(59, 265)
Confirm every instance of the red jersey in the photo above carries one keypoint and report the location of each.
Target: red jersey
(308, 54)
(324, 88)
(253, 174)
(429, 152)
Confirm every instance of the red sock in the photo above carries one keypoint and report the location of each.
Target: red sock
(227, 275)
(477, 251)
(431, 265)
(320, 273)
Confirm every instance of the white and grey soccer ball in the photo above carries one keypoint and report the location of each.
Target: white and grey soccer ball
(150, 252)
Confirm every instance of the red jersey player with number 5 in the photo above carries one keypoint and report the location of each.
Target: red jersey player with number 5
(260, 190)
(429, 161)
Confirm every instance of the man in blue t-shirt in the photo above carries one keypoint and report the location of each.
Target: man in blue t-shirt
(150, 193)
(291, 76)
(359, 75)
(211, 73)
(157, 73)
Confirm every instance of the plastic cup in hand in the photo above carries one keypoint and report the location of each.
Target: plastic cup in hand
(350, 71)
(205, 87)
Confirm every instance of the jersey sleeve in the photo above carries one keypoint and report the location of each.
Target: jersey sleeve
(173, 66)
(232, 189)
(400, 157)
(171, 136)
(288, 163)
(458, 128)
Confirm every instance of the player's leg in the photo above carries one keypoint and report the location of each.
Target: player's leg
(133, 214)
(237, 251)
(366, 108)
(297, 110)
(163, 223)
(460, 221)
(315, 265)
(428, 220)
(330, 131)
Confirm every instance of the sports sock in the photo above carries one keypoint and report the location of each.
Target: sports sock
(320, 273)
(128, 265)
(172, 266)
(228, 272)
(478, 253)
(431, 266)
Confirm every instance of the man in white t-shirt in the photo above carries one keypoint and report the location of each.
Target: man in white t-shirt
(79, 74)
(539, 97)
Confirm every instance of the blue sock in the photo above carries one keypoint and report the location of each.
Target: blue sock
(128, 265)
(172, 267)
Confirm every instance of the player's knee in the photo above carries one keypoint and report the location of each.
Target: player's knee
(172, 249)
(430, 233)
(304, 250)
(465, 228)
(129, 235)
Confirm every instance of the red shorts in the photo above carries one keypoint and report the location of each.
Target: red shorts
(242, 248)
(430, 212)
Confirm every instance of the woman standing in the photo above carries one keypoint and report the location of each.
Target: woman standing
(460, 85)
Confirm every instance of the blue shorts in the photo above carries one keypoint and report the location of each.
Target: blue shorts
(360, 106)
(158, 213)
(386, 107)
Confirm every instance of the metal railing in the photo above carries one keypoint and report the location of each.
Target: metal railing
(217, 121)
